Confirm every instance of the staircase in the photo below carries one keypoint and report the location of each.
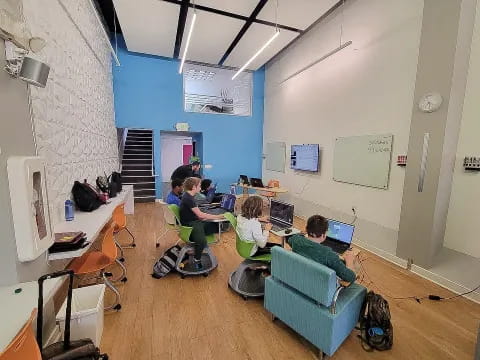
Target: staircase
(137, 164)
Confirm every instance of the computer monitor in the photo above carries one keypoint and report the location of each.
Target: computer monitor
(304, 157)
(281, 211)
(340, 231)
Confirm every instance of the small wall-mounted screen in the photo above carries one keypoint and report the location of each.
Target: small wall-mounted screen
(304, 157)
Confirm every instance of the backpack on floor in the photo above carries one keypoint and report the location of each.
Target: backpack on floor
(85, 197)
(376, 331)
(166, 263)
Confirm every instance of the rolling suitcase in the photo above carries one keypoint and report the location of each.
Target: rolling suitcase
(83, 349)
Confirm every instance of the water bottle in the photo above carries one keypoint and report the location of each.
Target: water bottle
(68, 210)
(233, 189)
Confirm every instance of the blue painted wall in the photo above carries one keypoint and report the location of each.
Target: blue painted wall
(149, 94)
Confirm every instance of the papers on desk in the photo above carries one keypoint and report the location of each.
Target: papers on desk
(68, 241)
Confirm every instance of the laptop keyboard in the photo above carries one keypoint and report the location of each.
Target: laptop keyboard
(338, 248)
(278, 228)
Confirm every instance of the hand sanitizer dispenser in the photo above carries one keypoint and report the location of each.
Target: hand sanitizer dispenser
(28, 196)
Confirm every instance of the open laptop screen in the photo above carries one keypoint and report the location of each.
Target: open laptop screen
(281, 211)
(340, 231)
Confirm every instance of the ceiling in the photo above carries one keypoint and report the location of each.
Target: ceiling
(227, 32)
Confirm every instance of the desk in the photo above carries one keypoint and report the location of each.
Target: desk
(282, 234)
(93, 222)
(16, 309)
(219, 221)
(275, 191)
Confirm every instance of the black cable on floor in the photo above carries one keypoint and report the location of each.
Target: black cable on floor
(416, 298)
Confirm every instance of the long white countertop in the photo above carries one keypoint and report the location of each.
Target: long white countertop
(15, 308)
(93, 222)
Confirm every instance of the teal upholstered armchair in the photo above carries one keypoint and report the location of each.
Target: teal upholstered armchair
(306, 296)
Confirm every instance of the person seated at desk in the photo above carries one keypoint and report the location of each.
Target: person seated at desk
(250, 228)
(186, 171)
(191, 215)
(311, 247)
(174, 196)
(206, 193)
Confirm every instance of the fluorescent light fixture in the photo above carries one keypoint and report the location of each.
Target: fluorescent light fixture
(277, 32)
(334, 51)
(188, 42)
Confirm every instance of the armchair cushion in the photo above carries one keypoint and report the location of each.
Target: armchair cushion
(304, 275)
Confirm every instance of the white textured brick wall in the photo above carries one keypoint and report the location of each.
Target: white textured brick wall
(74, 113)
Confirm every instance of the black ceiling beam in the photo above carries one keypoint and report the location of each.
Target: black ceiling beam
(182, 18)
(236, 16)
(107, 10)
(243, 30)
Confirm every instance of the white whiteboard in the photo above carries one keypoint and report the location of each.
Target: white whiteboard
(275, 156)
(363, 160)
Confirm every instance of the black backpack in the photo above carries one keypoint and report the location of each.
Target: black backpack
(85, 197)
(166, 263)
(116, 181)
(376, 331)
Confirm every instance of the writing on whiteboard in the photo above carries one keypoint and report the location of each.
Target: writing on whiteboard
(379, 146)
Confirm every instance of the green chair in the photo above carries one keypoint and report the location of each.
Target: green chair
(244, 248)
(248, 279)
(208, 259)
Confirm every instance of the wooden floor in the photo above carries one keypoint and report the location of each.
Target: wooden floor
(200, 318)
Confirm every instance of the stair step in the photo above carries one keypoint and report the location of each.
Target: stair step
(137, 166)
(137, 178)
(137, 162)
(136, 173)
(144, 192)
(136, 131)
(139, 135)
(137, 152)
(142, 185)
(145, 199)
(137, 170)
(137, 157)
(139, 183)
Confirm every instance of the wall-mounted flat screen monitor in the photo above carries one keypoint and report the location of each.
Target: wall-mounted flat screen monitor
(304, 157)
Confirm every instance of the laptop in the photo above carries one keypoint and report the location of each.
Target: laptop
(281, 215)
(243, 179)
(339, 236)
(226, 205)
(256, 182)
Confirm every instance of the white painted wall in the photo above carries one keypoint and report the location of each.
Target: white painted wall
(73, 117)
(462, 222)
(365, 89)
(73, 114)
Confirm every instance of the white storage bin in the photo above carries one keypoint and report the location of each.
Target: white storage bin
(87, 313)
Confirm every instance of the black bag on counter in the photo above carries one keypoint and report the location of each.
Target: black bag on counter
(116, 181)
(85, 197)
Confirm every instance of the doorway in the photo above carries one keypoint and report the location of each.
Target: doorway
(177, 148)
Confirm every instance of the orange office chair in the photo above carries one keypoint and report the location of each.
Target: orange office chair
(97, 261)
(24, 346)
(120, 220)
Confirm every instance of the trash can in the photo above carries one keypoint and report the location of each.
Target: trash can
(87, 313)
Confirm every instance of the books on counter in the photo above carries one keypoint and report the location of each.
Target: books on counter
(68, 241)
